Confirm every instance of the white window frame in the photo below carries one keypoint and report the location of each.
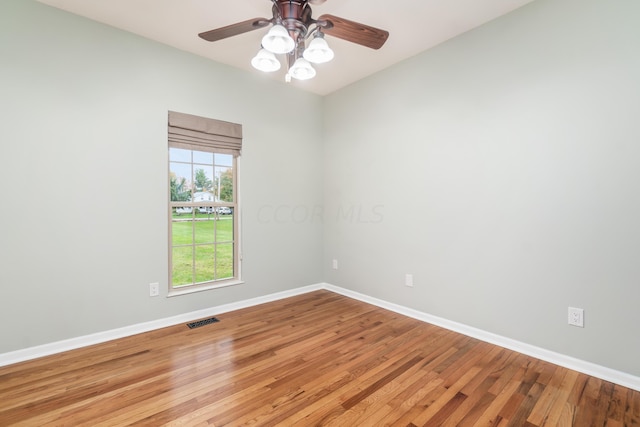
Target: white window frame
(194, 205)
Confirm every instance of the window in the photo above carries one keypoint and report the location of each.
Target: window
(203, 203)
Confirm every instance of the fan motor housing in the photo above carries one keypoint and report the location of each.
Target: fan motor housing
(295, 16)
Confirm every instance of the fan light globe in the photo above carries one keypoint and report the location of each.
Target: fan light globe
(265, 61)
(318, 51)
(278, 40)
(302, 70)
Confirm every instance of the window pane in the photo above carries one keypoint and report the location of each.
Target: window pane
(224, 229)
(224, 261)
(205, 229)
(182, 260)
(203, 178)
(224, 177)
(179, 155)
(205, 264)
(224, 160)
(203, 157)
(182, 229)
(180, 182)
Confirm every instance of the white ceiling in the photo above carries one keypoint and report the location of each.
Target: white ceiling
(414, 26)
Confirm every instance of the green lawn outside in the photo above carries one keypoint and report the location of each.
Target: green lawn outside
(213, 247)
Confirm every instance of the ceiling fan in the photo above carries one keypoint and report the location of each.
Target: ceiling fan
(292, 24)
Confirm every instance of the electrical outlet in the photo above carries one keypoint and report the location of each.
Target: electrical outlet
(576, 317)
(334, 264)
(154, 289)
(408, 280)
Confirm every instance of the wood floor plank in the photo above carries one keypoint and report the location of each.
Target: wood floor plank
(549, 396)
(443, 399)
(632, 413)
(527, 405)
(313, 359)
(493, 368)
(560, 408)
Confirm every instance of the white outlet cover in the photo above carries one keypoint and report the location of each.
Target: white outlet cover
(576, 317)
(408, 280)
(154, 289)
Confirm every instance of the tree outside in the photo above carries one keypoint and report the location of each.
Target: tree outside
(179, 189)
(202, 182)
(226, 186)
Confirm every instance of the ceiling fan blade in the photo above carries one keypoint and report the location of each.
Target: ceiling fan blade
(354, 32)
(234, 29)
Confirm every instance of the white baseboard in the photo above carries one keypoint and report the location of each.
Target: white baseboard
(604, 373)
(607, 374)
(100, 337)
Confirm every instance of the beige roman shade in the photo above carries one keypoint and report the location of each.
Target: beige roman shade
(200, 133)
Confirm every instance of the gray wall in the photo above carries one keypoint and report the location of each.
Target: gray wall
(83, 167)
(501, 170)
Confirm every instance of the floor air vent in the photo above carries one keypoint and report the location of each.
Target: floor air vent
(202, 322)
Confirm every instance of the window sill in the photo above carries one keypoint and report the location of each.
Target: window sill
(194, 289)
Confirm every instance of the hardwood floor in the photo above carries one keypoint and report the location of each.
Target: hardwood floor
(314, 359)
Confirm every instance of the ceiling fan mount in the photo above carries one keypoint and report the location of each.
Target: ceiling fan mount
(294, 21)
